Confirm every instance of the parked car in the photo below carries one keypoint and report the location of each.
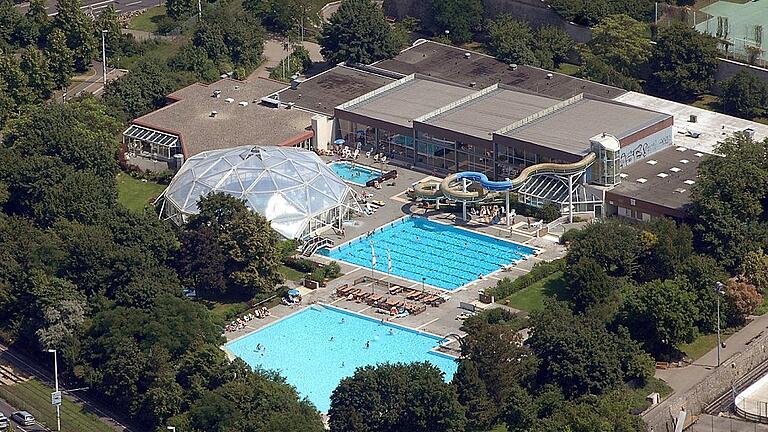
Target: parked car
(23, 418)
(3, 422)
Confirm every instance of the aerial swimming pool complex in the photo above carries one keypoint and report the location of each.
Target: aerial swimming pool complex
(316, 348)
(354, 173)
(425, 251)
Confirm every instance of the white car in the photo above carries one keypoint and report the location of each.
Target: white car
(23, 418)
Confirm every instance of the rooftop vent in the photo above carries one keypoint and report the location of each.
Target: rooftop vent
(652, 162)
(229, 100)
(642, 180)
(467, 55)
(623, 175)
(513, 66)
(270, 102)
(680, 190)
(214, 113)
(472, 84)
(689, 182)
(550, 76)
(750, 132)
(699, 154)
(681, 149)
(290, 105)
(662, 175)
(237, 87)
(243, 104)
(684, 161)
(693, 118)
(675, 169)
(216, 93)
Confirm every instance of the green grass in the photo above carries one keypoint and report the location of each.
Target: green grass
(291, 274)
(148, 20)
(762, 308)
(568, 69)
(703, 344)
(532, 297)
(637, 396)
(35, 397)
(135, 194)
(158, 50)
(225, 311)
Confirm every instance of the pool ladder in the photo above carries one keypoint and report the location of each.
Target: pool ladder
(315, 243)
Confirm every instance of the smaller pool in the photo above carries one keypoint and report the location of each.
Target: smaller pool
(354, 173)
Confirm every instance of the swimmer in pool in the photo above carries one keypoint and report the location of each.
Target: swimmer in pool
(367, 344)
(391, 331)
(343, 321)
(331, 339)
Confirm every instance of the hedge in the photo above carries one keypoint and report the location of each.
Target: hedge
(540, 270)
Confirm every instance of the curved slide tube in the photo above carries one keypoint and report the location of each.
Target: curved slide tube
(427, 190)
(451, 186)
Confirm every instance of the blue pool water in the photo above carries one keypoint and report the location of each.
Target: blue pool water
(301, 349)
(354, 173)
(446, 256)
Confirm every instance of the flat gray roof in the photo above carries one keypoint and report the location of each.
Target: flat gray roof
(570, 128)
(405, 102)
(664, 178)
(482, 116)
(323, 92)
(233, 125)
(451, 64)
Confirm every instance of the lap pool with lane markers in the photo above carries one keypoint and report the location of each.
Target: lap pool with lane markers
(445, 256)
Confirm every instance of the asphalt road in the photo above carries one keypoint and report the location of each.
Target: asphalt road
(97, 6)
(7, 409)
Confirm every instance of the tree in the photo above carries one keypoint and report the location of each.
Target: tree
(60, 58)
(178, 9)
(579, 356)
(683, 62)
(38, 20)
(480, 408)
(201, 262)
(702, 273)
(396, 397)
(16, 80)
(7, 104)
(744, 95)
(61, 322)
(141, 91)
(743, 299)
(109, 21)
(754, 267)
(660, 314)
(728, 210)
(588, 284)
(519, 411)
(511, 40)
(358, 33)
(551, 46)
(668, 245)
(612, 244)
(623, 43)
(35, 65)
(459, 17)
(78, 29)
(596, 69)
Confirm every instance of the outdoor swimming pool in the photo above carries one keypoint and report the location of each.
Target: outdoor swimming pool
(354, 173)
(445, 256)
(318, 346)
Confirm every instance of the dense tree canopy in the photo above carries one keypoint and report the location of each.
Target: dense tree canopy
(683, 62)
(744, 95)
(460, 18)
(396, 397)
(357, 33)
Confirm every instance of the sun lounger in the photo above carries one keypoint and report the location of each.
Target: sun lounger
(395, 289)
(373, 299)
(344, 291)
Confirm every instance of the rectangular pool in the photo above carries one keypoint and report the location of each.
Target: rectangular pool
(354, 173)
(318, 346)
(443, 256)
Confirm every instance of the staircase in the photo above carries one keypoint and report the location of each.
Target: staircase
(315, 243)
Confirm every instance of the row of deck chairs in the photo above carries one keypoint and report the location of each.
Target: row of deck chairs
(426, 297)
(379, 301)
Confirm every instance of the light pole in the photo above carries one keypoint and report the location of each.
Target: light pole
(423, 285)
(56, 380)
(718, 291)
(104, 55)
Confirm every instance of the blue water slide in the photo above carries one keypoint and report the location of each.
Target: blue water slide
(483, 179)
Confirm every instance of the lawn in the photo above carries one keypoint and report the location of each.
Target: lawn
(637, 396)
(532, 297)
(226, 311)
(35, 397)
(159, 50)
(703, 344)
(762, 308)
(148, 20)
(291, 274)
(136, 194)
(568, 69)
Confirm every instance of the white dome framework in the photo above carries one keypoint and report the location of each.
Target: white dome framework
(291, 187)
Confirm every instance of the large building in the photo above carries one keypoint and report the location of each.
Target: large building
(441, 109)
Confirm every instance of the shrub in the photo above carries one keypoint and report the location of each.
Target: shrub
(540, 270)
(318, 275)
(301, 264)
(332, 270)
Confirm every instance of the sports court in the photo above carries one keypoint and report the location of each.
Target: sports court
(742, 23)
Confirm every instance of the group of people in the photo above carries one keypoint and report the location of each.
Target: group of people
(239, 323)
(291, 300)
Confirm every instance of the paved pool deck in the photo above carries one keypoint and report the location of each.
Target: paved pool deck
(441, 320)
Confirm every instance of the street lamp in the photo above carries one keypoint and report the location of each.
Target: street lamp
(718, 291)
(104, 55)
(56, 380)
(423, 283)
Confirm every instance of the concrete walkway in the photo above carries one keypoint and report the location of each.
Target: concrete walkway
(274, 53)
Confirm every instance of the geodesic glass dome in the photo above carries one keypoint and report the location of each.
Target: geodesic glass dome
(293, 188)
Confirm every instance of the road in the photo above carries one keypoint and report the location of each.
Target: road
(22, 363)
(93, 83)
(97, 6)
(7, 409)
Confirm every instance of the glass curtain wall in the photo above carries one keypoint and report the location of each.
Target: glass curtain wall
(396, 145)
(435, 153)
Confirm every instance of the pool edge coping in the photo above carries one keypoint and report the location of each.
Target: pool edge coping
(381, 172)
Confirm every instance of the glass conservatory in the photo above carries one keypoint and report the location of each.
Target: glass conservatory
(293, 188)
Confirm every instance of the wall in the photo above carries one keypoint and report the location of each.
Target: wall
(535, 12)
(645, 147)
(728, 68)
(322, 125)
(660, 418)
